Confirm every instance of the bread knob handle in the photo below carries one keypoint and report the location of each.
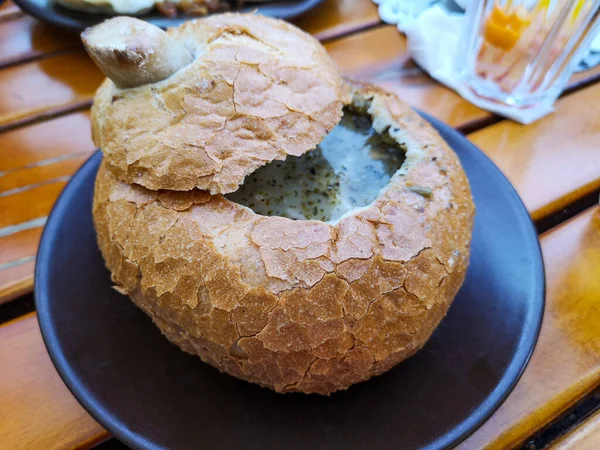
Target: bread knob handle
(132, 52)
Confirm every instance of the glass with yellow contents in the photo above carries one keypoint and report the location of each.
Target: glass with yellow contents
(522, 52)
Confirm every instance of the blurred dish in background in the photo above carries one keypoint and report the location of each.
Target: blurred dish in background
(80, 14)
(168, 8)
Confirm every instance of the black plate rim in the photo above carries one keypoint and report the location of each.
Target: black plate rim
(495, 399)
(72, 23)
(456, 435)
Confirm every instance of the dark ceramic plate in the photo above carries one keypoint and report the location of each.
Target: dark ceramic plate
(47, 11)
(152, 395)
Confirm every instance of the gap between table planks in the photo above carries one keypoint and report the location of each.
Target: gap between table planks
(24, 38)
(537, 158)
(586, 436)
(565, 365)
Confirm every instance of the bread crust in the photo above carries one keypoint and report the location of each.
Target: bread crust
(258, 90)
(298, 306)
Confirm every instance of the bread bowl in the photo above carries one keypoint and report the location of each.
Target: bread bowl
(313, 303)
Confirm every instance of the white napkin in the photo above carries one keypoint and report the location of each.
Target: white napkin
(433, 41)
(402, 13)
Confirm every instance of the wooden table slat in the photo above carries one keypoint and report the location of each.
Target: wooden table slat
(565, 365)
(19, 246)
(334, 18)
(30, 155)
(25, 38)
(9, 11)
(46, 141)
(584, 437)
(36, 409)
(553, 161)
(61, 170)
(16, 280)
(28, 205)
(34, 89)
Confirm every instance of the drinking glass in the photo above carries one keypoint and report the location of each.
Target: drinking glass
(522, 52)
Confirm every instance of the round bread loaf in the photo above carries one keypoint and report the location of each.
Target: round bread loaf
(293, 305)
(255, 90)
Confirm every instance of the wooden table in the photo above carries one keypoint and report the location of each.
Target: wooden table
(46, 87)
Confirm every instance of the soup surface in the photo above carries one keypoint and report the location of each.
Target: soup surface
(346, 170)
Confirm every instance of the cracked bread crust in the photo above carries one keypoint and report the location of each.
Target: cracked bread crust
(298, 306)
(258, 90)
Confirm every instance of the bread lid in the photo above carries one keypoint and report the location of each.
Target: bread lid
(205, 104)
